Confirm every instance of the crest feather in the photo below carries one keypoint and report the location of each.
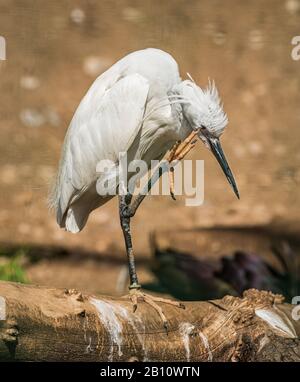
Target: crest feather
(215, 119)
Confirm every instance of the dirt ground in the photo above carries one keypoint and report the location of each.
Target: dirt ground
(55, 49)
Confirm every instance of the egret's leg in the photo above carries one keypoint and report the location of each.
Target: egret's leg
(178, 152)
(127, 209)
(128, 206)
(171, 182)
(124, 201)
(134, 203)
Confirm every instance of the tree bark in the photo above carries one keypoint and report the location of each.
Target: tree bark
(44, 324)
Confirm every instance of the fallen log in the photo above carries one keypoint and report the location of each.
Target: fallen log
(43, 324)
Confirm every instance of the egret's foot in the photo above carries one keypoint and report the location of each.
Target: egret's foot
(178, 152)
(136, 296)
(180, 149)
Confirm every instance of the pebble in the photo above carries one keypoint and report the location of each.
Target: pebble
(256, 39)
(255, 147)
(219, 38)
(77, 16)
(32, 118)
(292, 6)
(132, 14)
(29, 82)
(94, 65)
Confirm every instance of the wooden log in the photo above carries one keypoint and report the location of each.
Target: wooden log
(44, 324)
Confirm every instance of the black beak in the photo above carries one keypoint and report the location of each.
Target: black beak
(219, 154)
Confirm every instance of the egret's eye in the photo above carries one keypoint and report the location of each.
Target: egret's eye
(206, 132)
(203, 129)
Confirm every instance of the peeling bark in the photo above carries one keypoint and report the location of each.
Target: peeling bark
(44, 324)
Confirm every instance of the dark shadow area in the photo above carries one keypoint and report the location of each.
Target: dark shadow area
(186, 268)
(250, 257)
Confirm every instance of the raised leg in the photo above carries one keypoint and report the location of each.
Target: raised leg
(133, 203)
(178, 152)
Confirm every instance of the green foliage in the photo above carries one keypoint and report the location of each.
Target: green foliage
(11, 268)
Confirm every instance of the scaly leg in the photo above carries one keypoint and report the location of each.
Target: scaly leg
(178, 152)
(125, 224)
(127, 209)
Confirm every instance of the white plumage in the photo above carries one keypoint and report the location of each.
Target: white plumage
(139, 106)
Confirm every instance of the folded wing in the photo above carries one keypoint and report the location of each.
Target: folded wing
(106, 122)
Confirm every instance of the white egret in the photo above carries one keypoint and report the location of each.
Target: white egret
(142, 107)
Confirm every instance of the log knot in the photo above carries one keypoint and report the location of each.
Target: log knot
(78, 296)
(262, 298)
(243, 315)
(10, 331)
(243, 309)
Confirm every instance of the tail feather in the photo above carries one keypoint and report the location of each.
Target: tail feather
(77, 213)
(75, 221)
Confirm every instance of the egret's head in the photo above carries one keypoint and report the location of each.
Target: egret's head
(204, 112)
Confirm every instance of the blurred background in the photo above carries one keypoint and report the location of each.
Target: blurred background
(55, 50)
